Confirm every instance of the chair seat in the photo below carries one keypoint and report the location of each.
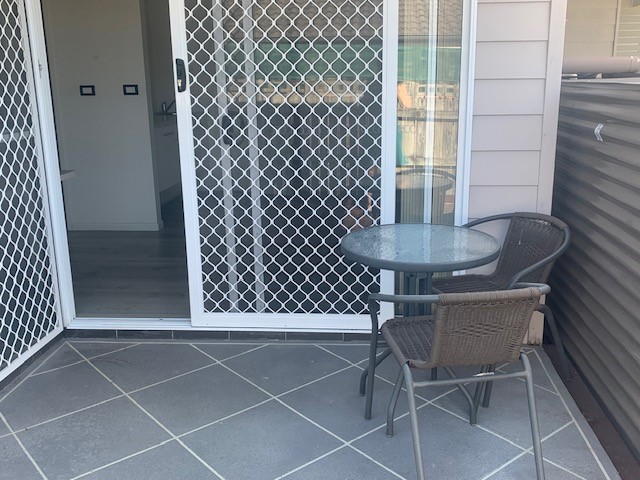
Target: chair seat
(466, 283)
(410, 339)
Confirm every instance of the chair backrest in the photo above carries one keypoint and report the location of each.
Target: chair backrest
(531, 237)
(481, 328)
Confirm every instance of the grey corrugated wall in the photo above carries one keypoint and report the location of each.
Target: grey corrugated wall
(596, 284)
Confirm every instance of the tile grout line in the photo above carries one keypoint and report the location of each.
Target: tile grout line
(49, 420)
(484, 429)
(133, 455)
(357, 365)
(132, 400)
(340, 439)
(38, 372)
(297, 469)
(582, 434)
(29, 376)
(530, 451)
(499, 369)
(24, 449)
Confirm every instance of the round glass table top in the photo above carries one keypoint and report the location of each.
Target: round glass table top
(420, 247)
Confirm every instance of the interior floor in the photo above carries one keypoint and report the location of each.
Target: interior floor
(132, 274)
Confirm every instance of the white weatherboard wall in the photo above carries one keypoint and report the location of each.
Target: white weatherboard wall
(591, 28)
(106, 139)
(519, 53)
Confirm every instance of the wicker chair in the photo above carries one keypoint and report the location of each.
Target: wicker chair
(467, 329)
(533, 243)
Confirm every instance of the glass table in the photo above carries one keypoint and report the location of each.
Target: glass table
(420, 248)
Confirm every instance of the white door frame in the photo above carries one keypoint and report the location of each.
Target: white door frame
(238, 321)
(36, 71)
(51, 162)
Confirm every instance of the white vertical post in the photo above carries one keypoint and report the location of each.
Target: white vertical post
(254, 153)
(389, 132)
(187, 164)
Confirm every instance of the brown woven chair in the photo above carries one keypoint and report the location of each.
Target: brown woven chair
(533, 243)
(467, 329)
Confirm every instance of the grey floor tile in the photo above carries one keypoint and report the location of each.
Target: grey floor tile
(15, 463)
(262, 443)
(56, 393)
(222, 351)
(198, 398)
(452, 449)
(335, 403)
(3, 428)
(278, 368)
(149, 363)
(61, 358)
(568, 449)
(540, 377)
(354, 352)
(81, 442)
(508, 414)
(524, 468)
(345, 464)
(93, 349)
(166, 462)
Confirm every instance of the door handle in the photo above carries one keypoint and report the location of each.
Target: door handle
(181, 75)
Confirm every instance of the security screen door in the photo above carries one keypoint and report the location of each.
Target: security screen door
(28, 311)
(280, 125)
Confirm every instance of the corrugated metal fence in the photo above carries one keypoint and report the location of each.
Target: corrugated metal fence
(596, 284)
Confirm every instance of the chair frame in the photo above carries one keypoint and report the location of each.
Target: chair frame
(541, 263)
(517, 278)
(481, 380)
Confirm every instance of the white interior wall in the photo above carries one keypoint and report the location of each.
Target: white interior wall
(519, 53)
(157, 34)
(106, 138)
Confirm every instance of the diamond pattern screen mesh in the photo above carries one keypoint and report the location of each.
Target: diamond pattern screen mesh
(27, 303)
(286, 111)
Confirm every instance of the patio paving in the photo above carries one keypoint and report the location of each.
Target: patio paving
(157, 410)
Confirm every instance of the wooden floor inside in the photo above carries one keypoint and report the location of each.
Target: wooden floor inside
(132, 274)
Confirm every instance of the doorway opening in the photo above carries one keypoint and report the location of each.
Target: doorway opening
(113, 94)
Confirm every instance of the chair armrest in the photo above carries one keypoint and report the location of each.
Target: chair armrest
(543, 287)
(502, 216)
(532, 268)
(380, 297)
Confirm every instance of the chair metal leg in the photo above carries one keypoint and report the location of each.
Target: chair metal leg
(555, 334)
(371, 373)
(393, 401)
(488, 388)
(533, 416)
(473, 407)
(365, 373)
(413, 415)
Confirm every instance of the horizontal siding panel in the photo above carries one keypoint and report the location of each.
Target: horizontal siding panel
(509, 97)
(513, 1)
(595, 284)
(593, 33)
(592, 4)
(592, 16)
(491, 200)
(502, 60)
(504, 168)
(588, 49)
(513, 21)
(507, 132)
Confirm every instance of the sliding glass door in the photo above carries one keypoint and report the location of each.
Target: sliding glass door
(281, 130)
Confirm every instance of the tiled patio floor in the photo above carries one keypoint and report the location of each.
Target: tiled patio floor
(191, 410)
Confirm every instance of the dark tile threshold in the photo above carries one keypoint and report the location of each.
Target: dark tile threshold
(623, 459)
(218, 335)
